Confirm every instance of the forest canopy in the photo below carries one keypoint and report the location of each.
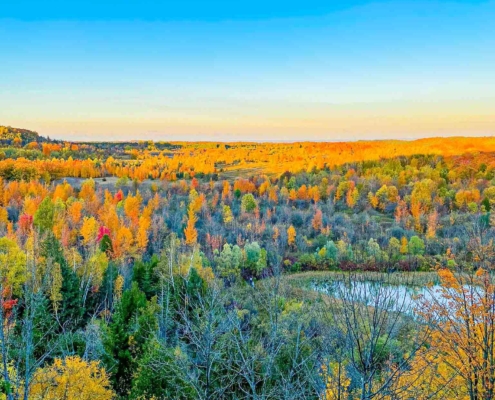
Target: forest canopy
(145, 270)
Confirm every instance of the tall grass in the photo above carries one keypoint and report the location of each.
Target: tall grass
(416, 279)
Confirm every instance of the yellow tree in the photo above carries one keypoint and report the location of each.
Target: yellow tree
(292, 195)
(432, 224)
(87, 192)
(13, 261)
(122, 243)
(225, 190)
(4, 216)
(227, 215)
(315, 194)
(118, 287)
(132, 208)
(374, 201)
(89, 230)
(190, 231)
(71, 378)
(460, 360)
(352, 197)
(92, 271)
(143, 227)
(272, 195)
(404, 245)
(421, 200)
(291, 235)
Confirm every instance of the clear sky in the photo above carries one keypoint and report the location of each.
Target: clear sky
(247, 70)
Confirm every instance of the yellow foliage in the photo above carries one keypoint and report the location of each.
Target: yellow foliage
(12, 265)
(336, 382)
(74, 212)
(4, 216)
(190, 231)
(132, 208)
(461, 351)
(118, 286)
(291, 235)
(122, 244)
(227, 215)
(89, 230)
(71, 378)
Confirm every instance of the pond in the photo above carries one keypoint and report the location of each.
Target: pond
(392, 297)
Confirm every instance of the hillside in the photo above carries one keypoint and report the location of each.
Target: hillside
(9, 135)
(246, 251)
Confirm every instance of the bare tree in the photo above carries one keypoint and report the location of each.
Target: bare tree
(371, 317)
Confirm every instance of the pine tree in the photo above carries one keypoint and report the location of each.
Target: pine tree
(132, 325)
(71, 310)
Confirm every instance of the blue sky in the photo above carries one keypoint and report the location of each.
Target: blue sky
(255, 70)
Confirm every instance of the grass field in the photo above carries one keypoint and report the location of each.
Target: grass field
(306, 279)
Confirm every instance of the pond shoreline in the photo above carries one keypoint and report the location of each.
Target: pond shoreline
(411, 279)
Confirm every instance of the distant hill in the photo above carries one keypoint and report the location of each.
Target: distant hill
(9, 135)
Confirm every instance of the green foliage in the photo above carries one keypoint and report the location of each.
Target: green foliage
(122, 182)
(195, 286)
(160, 376)
(373, 249)
(394, 248)
(105, 297)
(248, 203)
(13, 271)
(486, 203)
(156, 323)
(8, 134)
(44, 216)
(306, 262)
(228, 262)
(416, 246)
(255, 258)
(144, 276)
(132, 325)
(331, 251)
(106, 244)
(71, 311)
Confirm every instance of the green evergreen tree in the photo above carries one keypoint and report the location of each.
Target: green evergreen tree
(71, 311)
(133, 323)
(144, 275)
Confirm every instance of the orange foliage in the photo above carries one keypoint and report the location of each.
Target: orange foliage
(190, 232)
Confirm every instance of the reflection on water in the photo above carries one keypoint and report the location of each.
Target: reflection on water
(401, 298)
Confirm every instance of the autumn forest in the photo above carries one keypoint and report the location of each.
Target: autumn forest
(202, 270)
